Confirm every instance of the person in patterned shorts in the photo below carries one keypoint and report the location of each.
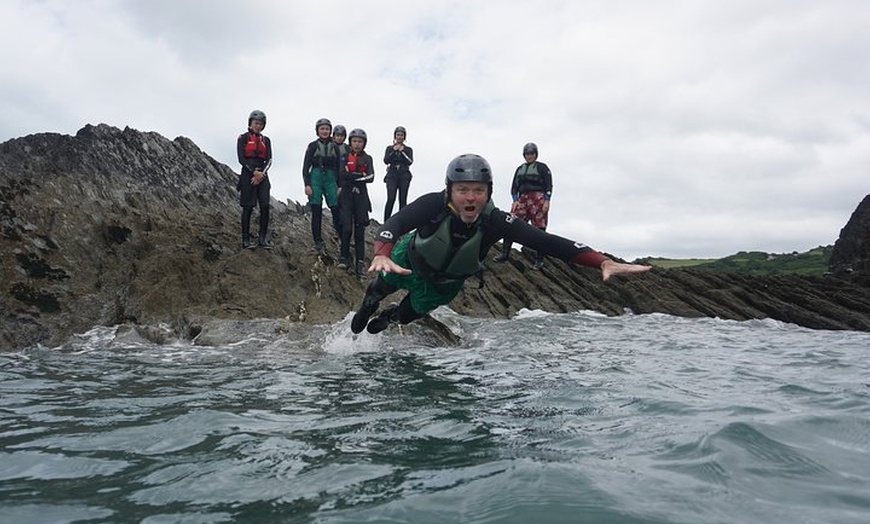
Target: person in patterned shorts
(531, 190)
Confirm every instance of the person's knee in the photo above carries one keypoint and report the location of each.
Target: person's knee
(406, 312)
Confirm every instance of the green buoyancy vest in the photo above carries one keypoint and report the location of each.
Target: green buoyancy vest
(530, 174)
(437, 258)
(325, 149)
(326, 154)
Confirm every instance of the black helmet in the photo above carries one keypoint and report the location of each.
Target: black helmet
(339, 130)
(357, 132)
(257, 115)
(323, 122)
(469, 168)
(402, 129)
(531, 147)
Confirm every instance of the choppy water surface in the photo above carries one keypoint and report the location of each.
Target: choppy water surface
(543, 418)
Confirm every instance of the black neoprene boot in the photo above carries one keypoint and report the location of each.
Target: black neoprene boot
(262, 237)
(316, 225)
(384, 319)
(376, 291)
(336, 220)
(246, 228)
(403, 313)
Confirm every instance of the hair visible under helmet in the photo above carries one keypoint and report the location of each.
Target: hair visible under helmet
(257, 115)
(531, 147)
(469, 168)
(400, 129)
(339, 130)
(358, 133)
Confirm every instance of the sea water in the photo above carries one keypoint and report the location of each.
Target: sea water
(543, 418)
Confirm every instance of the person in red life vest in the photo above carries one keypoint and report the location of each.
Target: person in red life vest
(255, 154)
(320, 175)
(398, 158)
(433, 245)
(531, 190)
(356, 170)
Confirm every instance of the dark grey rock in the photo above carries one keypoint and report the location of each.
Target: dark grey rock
(851, 255)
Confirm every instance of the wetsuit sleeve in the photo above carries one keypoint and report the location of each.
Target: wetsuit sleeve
(370, 170)
(345, 178)
(503, 225)
(268, 154)
(337, 156)
(416, 214)
(388, 157)
(307, 162)
(408, 153)
(547, 177)
(240, 148)
(515, 186)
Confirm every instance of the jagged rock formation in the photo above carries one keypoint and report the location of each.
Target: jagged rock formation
(118, 226)
(851, 255)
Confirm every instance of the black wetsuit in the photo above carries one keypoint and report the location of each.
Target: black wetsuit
(398, 177)
(354, 203)
(320, 173)
(253, 156)
(423, 214)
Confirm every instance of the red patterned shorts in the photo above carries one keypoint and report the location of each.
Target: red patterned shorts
(530, 208)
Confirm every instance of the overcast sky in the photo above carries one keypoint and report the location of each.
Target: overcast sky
(673, 128)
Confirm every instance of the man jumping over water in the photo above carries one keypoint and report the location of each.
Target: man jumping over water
(431, 246)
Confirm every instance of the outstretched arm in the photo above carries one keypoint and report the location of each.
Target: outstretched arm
(611, 268)
(505, 226)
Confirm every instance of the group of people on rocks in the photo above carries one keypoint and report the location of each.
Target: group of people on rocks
(332, 170)
(430, 246)
(340, 173)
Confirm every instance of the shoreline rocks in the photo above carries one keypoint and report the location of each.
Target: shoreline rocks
(122, 227)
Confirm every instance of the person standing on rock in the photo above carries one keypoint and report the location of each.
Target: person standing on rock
(320, 175)
(531, 190)
(355, 172)
(339, 134)
(398, 158)
(255, 154)
(433, 245)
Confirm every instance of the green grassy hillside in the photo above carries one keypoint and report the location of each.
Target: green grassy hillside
(812, 262)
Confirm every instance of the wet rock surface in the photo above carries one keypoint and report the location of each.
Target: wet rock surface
(122, 227)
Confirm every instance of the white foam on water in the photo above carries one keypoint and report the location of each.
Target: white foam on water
(339, 339)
